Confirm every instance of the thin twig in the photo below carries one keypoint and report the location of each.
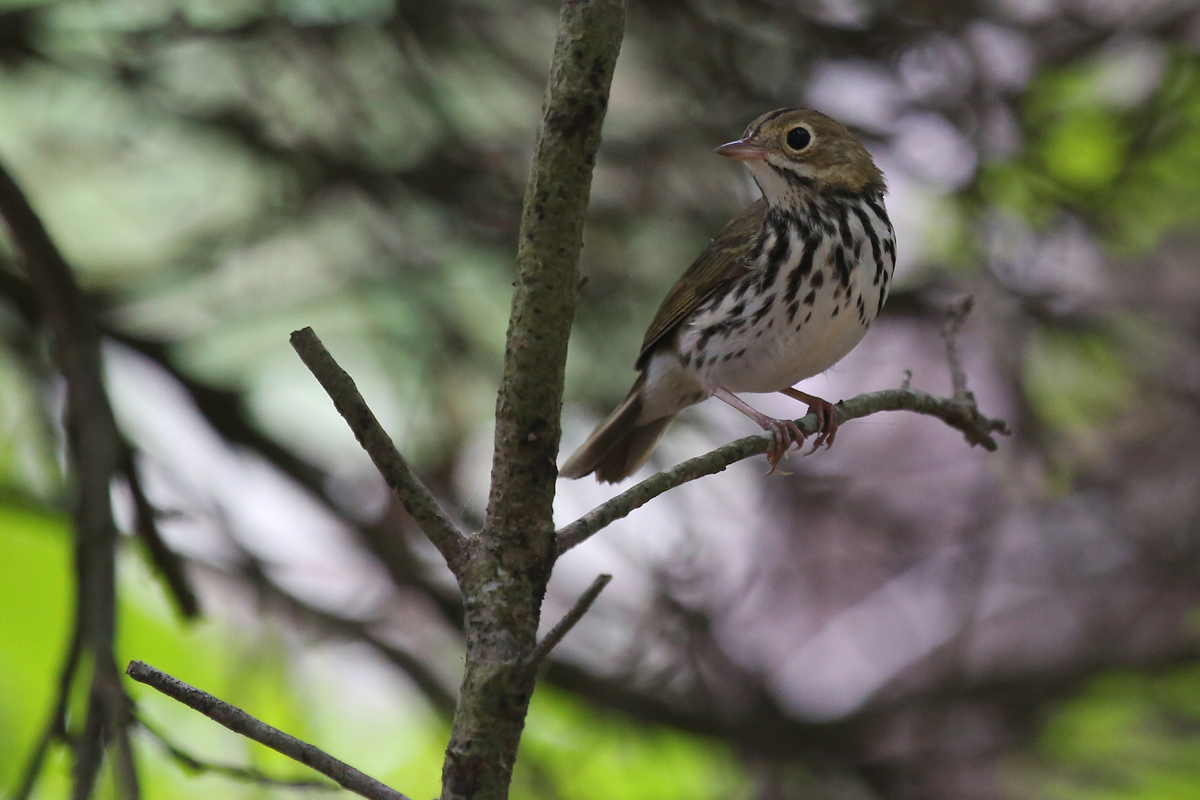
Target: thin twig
(244, 774)
(56, 726)
(89, 751)
(252, 570)
(955, 317)
(125, 766)
(169, 563)
(242, 723)
(960, 415)
(568, 621)
(409, 489)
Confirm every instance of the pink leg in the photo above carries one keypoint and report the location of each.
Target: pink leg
(784, 431)
(827, 418)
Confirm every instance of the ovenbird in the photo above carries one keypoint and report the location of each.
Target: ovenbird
(783, 292)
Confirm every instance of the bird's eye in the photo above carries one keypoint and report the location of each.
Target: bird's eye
(798, 138)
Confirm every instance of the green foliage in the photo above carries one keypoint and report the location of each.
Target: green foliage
(1084, 149)
(36, 597)
(1128, 737)
(589, 755)
(1129, 169)
(1160, 192)
(1077, 383)
(1082, 139)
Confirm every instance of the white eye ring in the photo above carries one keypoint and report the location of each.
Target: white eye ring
(799, 138)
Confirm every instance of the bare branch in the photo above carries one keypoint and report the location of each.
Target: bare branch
(95, 447)
(169, 563)
(961, 415)
(955, 316)
(126, 765)
(89, 752)
(409, 489)
(56, 726)
(242, 723)
(244, 774)
(568, 621)
(251, 570)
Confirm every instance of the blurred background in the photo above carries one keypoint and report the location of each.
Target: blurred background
(901, 617)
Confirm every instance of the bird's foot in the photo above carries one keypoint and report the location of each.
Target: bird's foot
(784, 432)
(826, 414)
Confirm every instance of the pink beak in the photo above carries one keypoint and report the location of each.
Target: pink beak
(743, 151)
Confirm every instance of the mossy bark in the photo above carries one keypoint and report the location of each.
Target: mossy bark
(507, 564)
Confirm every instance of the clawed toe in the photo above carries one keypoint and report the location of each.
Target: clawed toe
(824, 439)
(827, 418)
(785, 433)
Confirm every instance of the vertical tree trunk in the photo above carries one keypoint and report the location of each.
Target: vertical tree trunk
(504, 574)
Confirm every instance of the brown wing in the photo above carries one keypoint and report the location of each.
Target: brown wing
(722, 261)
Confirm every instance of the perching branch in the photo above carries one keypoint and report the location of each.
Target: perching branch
(960, 415)
(242, 723)
(568, 621)
(409, 489)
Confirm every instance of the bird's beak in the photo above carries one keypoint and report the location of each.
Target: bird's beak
(743, 151)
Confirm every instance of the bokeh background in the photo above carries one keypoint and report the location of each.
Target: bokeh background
(901, 617)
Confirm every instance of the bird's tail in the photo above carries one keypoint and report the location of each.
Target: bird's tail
(620, 444)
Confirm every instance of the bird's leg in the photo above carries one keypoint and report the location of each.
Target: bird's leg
(827, 418)
(784, 431)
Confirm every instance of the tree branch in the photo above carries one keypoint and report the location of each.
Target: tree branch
(955, 316)
(250, 570)
(960, 415)
(529, 405)
(408, 488)
(56, 726)
(568, 621)
(169, 563)
(510, 560)
(242, 723)
(95, 446)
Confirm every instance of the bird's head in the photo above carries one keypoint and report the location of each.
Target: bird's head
(796, 150)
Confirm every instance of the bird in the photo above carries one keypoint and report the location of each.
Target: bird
(785, 290)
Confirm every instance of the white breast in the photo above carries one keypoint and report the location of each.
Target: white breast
(807, 319)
